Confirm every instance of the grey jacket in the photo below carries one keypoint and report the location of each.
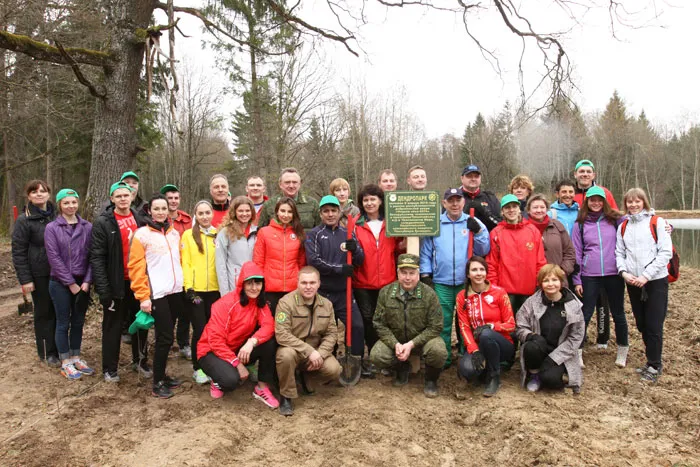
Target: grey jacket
(637, 253)
(230, 257)
(528, 321)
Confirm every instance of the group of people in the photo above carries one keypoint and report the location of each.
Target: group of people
(262, 282)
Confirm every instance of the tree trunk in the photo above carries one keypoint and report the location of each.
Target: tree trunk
(114, 142)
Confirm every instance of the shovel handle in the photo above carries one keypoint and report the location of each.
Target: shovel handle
(348, 288)
(470, 247)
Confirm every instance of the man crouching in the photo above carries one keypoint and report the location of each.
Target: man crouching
(306, 332)
(408, 320)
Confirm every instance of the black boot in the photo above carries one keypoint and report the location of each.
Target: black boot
(300, 376)
(401, 376)
(286, 407)
(492, 386)
(367, 369)
(430, 387)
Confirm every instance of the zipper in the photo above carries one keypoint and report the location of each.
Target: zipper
(454, 278)
(405, 320)
(311, 319)
(206, 243)
(600, 243)
(284, 259)
(172, 263)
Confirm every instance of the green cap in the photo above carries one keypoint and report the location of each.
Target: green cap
(129, 174)
(143, 322)
(595, 191)
(329, 199)
(408, 260)
(118, 185)
(584, 163)
(167, 188)
(507, 199)
(253, 277)
(66, 192)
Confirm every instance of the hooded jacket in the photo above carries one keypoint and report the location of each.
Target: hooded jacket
(528, 321)
(595, 247)
(67, 249)
(445, 256)
(154, 262)
(638, 253)
(199, 269)
(492, 306)
(230, 257)
(28, 250)
(278, 251)
(232, 324)
(106, 256)
(516, 256)
(564, 214)
(182, 222)
(379, 267)
(323, 251)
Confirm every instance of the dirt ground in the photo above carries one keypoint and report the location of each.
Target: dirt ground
(47, 420)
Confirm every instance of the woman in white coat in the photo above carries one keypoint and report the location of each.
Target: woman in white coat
(235, 242)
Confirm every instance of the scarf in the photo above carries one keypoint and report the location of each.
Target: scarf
(541, 226)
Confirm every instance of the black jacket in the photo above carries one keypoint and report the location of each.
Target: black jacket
(486, 206)
(28, 251)
(106, 255)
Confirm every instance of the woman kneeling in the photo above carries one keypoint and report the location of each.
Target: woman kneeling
(485, 321)
(240, 333)
(550, 326)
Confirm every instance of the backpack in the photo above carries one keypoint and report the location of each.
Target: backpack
(674, 265)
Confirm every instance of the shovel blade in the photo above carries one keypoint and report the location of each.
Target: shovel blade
(25, 308)
(352, 366)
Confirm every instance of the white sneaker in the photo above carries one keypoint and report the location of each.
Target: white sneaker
(621, 359)
(601, 346)
(580, 358)
(200, 377)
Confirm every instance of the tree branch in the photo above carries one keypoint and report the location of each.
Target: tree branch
(47, 53)
(79, 74)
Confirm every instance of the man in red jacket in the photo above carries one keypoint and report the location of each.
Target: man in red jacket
(180, 219)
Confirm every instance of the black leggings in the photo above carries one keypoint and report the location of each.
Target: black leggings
(535, 356)
(367, 302)
(44, 319)
(272, 299)
(182, 320)
(227, 376)
(200, 315)
(649, 306)
(164, 311)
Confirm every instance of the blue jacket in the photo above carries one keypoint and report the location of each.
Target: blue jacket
(564, 214)
(323, 252)
(445, 256)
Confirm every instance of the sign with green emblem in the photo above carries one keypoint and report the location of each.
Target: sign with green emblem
(412, 213)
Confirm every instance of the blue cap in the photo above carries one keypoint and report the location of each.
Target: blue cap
(471, 168)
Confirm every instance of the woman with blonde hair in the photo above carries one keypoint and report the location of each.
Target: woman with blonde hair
(340, 188)
(234, 242)
(642, 251)
(522, 187)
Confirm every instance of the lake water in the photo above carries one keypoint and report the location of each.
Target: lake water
(687, 243)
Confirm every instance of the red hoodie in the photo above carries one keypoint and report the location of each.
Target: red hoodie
(232, 324)
(489, 307)
(516, 256)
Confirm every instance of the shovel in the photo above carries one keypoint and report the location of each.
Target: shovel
(26, 307)
(351, 363)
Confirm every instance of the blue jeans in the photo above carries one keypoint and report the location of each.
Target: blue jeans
(70, 317)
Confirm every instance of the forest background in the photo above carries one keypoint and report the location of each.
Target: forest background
(56, 100)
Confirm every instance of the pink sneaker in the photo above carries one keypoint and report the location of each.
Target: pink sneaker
(215, 391)
(266, 396)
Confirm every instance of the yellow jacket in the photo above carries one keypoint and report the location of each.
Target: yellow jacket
(199, 269)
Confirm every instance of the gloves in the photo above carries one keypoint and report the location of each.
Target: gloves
(193, 297)
(427, 280)
(347, 270)
(478, 361)
(473, 225)
(539, 340)
(477, 332)
(351, 245)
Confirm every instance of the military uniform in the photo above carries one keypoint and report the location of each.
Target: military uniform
(300, 329)
(307, 207)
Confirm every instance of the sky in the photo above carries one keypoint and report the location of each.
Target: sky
(653, 64)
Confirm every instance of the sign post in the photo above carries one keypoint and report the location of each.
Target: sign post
(412, 214)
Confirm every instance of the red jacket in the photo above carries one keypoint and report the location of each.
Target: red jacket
(516, 256)
(279, 253)
(232, 324)
(218, 211)
(182, 222)
(379, 267)
(489, 307)
(578, 197)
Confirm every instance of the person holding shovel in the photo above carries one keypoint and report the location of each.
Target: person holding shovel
(408, 321)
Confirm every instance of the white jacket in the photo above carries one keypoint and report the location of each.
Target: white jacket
(230, 257)
(637, 253)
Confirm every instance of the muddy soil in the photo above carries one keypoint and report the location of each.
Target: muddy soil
(617, 420)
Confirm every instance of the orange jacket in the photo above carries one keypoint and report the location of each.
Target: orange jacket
(489, 307)
(279, 253)
(232, 324)
(154, 263)
(516, 256)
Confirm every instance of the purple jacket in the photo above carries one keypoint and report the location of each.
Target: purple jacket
(592, 259)
(68, 250)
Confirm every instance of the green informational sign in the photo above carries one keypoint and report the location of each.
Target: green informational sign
(412, 213)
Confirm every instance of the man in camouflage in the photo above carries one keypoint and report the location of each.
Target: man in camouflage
(408, 321)
(290, 186)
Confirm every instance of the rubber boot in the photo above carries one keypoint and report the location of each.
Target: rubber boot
(401, 376)
(300, 377)
(286, 407)
(492, 386)
(367, 369)
(430, 388)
